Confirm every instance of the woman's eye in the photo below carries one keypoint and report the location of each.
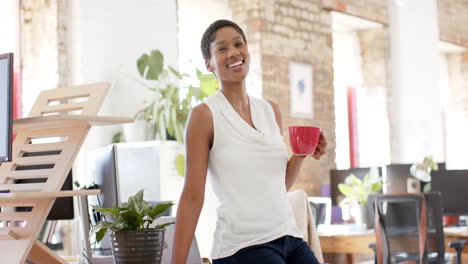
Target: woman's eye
(239, 44)
(221, 49)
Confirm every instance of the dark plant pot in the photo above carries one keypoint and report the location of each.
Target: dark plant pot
(138, 246)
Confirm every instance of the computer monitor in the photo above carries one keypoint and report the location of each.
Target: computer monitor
(63, 207)
(453, 186)
(6, 106)
(397, 176)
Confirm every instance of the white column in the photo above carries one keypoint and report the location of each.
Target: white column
(9, 29)
(415, 105)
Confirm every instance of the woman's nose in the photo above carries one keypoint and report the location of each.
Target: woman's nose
(234, 53)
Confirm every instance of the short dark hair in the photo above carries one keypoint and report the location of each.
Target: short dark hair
(210, 35)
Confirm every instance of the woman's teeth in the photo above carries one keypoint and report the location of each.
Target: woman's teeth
(235, 64)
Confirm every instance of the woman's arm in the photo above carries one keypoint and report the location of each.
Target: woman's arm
(198, 139)
(295, 162)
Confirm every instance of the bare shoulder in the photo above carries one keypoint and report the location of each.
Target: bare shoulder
(277, 114)
(202, 113)
(200, 122)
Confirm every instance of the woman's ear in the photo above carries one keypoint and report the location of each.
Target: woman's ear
(208, 66)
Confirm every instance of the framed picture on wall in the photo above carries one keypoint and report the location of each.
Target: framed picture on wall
(300, 90)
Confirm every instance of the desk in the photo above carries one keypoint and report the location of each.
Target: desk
(357, 242)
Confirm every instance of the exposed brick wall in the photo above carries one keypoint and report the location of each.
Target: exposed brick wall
(374, 44)
(63, 58)
(375, 10)
(298, 31)
(374, 51)
(453, 19)
(39, 51)
(452, 15)
(281, 31)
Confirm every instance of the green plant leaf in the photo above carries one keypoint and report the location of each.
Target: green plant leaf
(136, 214)
(162, 128)
(355, 180)
(179, 75)
(151, 66)
(375, 187)
(167, 112)
(347, 200)
(110, 212)
(208, 84)
(136, 202)
(100, 234)
(179, 133)
(159, 210)
(132, 220)
(171, 122)
(163, 225)
(180, 165)
(366, 179)
(141, 64)
(117, 137)
(345, 189)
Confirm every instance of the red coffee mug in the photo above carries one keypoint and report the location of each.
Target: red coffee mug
(304, 139)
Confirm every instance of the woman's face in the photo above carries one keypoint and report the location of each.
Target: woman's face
(230, 56)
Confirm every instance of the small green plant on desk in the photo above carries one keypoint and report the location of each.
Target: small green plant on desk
(132, 238)
(356, 193)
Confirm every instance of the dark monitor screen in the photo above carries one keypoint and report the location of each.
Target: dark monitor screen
(452, 184)
(398, 175)
(338, 176)
(63, 207)
(6, 105)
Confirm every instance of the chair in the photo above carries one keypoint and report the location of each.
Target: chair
(321, 209)
(305, 220)
(62, 117)
(409, 229)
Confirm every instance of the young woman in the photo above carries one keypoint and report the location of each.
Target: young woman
(238, 139)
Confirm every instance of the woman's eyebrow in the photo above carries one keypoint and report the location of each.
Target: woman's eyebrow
(219, 43)
(222, 41)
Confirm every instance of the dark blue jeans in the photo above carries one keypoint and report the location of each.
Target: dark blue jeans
(284, 250)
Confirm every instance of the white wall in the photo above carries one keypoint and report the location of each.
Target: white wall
(106, 38)
(416, 118)
(9, 28)
(371, 116)
(194, 18)
(346, 72)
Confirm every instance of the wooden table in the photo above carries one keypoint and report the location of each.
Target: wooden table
(358, 242)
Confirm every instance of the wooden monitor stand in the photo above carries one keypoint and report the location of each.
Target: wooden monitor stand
(59, 122)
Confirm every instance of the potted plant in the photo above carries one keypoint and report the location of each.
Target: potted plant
(357, 191)
(166, 113)
(133, 240)
(422, 171)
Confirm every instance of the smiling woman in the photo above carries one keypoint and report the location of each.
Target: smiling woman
(230, 54)
(237, 138)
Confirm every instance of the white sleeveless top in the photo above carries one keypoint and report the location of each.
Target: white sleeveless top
(247, 169)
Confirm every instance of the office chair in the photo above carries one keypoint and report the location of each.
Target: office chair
(409, 229)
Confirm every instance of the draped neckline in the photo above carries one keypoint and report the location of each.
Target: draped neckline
(233, 117)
